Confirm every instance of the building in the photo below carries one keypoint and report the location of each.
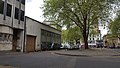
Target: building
(24, 34)
(94, 36)
(111, 40)
(40, 36)
(12, 24)
(92, 39)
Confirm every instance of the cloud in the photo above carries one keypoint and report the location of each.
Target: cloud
(32, 9)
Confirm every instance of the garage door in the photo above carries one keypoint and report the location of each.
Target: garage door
(30, 45)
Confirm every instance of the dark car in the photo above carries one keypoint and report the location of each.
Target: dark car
(99, 43)
(74, 47)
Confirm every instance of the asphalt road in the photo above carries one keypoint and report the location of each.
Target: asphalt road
(50, 60)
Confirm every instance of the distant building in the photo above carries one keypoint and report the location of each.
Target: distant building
(110, 39)
(95, 35)
(92, 39)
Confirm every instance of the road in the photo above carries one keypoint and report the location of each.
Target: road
(49, 60)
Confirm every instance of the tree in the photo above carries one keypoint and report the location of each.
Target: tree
(71, 34)
(83, 13)
(115, 26)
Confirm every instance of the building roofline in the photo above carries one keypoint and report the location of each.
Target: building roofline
(41, 23)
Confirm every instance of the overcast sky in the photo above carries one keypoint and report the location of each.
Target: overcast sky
(32, 9)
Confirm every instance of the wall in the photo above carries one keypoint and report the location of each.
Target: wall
(34, 27)
(8, 25)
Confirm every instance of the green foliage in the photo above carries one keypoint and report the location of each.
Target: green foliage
(71, 34)
(83, 13)
(79, 12)
(56, 25)
(69, 11)
(115, 26)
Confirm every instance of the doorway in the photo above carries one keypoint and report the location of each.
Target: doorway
(16, 40)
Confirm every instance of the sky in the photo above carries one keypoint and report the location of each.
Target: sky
(32, 9)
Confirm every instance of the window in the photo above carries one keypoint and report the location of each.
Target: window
(93, 39)
(9, 8)
(1, 36)
(16, 13)
(55, 35)
(1, 7)
(47, 33)
(90, 41)
(22, 15)
(22, 1)
(43, 32)
(51, 34)
(90, 38)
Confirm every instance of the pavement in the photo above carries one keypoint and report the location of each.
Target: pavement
(2, 53)
(1, 66)
(93, 52)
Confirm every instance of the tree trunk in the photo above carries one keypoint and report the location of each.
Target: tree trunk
(85, 41)
(85, 33)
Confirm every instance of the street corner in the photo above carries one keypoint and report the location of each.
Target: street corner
(75, 53)
(89, 53)
(67, 54)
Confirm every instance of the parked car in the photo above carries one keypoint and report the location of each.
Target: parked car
(73, 47)
(111, 46)
(99, 43)
(117, 46)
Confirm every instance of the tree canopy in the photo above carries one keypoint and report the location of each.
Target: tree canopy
(83, 13)
(115, 26)
(71, 34)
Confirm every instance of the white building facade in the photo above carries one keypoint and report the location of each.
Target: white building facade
(92, 39)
